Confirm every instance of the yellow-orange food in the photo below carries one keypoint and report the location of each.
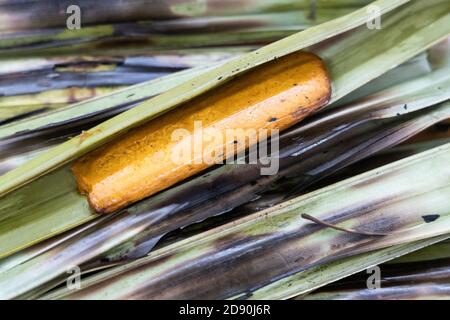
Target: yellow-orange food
(275, 95)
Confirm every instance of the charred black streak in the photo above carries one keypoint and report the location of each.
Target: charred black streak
(386, 224)
(430, 217)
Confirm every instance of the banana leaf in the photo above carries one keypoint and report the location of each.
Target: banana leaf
(389, 206)
(325, 152)
(92, 107)
(437, 251)
(302, 283)
(178, 33)
(412, 280)
(341, 70)
(34, 139)
(101, 40)
(20, 106)
(86, 118)
(421, 291)
(29, 86)
(294, 19)
(326, 50)
(48, 13)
